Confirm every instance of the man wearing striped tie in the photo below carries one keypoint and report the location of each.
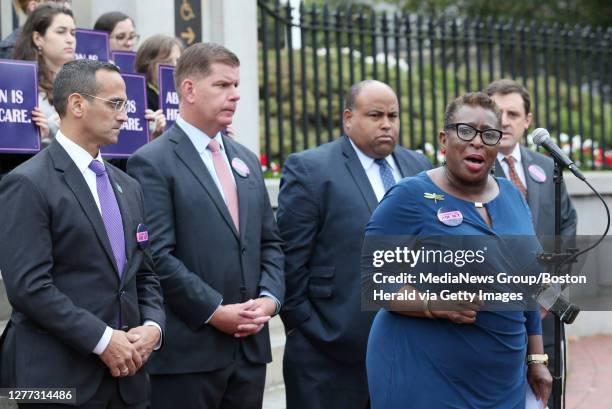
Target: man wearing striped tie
(532, 173)
(326, 198)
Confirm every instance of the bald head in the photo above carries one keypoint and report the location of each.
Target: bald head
(371, 118)
(358, 87)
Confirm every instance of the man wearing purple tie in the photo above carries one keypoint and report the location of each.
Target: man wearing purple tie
(87, 308)
(215, 244)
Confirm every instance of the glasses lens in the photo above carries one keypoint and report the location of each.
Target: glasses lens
(465, 132)
(120, 106)
(491, 136)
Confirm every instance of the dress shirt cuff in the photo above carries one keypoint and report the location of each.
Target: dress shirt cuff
(104, 341)
(266, 293)
(161, 334)
(214, 312)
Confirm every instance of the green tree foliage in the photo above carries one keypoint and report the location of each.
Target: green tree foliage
(586, 12)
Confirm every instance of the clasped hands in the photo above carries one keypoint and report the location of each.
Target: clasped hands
(244, 319)
(128, 351)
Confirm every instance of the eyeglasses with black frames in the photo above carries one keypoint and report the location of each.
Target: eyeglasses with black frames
(467, 132)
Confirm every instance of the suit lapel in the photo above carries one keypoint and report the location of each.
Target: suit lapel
(358, 173)
(499, 171)
(76, 182)
(533, 191)
(188, 154)
(242, 185)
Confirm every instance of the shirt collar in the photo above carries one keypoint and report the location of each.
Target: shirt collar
(79, 156)
(199, 139)
(365, 160)
(516, 154)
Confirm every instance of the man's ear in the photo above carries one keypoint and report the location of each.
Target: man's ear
(347, 117)
(529, 118)
(187, 88)
(76, 105)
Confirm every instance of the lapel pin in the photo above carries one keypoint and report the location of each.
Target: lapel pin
(142, 236)
(119, 188)
(450, 217)
(433, 196)
(240, 167)
(537, 173)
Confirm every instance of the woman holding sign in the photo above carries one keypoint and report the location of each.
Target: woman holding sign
(48, 38)
(156, 50)
(420, 354)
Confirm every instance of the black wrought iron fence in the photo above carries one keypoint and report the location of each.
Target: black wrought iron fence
(310, 56)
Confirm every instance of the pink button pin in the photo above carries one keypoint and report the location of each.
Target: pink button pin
(537, 173)
(240, 167)
(450, 217)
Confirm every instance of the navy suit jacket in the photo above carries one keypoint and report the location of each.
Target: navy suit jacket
(62, 280)
(325, 202)
(200, 257)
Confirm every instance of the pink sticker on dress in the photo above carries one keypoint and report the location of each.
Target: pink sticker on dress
(450, 217)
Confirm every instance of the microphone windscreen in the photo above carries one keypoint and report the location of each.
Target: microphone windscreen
(540, 135)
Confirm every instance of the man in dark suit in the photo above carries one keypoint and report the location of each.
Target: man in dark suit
(215, 244)
(87, 308)
(326, 198)
(532, 173)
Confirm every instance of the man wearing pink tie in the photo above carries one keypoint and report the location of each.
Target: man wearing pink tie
(215, 244)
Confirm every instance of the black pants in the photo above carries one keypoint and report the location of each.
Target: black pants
(315, 381)
(237, 386)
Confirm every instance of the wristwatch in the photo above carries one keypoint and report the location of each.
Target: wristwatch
(537, 359)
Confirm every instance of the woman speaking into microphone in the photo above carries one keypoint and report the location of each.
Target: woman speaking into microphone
(468, 358)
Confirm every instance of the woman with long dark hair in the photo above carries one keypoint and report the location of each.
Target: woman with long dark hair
(48, 37)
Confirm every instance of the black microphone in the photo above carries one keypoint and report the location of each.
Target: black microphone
(541, 137)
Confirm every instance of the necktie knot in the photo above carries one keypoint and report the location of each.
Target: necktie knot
(381, 162)
(510, 159)
(214, 146)
(97, 167)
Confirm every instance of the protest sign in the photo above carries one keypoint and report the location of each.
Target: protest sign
(92, 45)
(135, 131)
(18, 97)
(168, 98)
(124, 60)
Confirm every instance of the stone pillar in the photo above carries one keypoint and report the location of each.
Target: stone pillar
(233, 23)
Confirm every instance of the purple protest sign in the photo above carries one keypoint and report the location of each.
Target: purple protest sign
(124, 60)
(18, 97)
(168, 98)
(92, 45)
(135, 131)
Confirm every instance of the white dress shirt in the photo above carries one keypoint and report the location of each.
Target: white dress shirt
(200, 140)
(82, 159)
(372, 170)
(518, 165)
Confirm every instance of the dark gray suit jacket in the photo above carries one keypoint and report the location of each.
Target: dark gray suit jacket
(61, 277)
(325, 202)
(199, 256)
(541, 196)
(541, 201)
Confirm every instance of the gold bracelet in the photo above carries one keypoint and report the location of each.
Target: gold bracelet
(426, 310)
